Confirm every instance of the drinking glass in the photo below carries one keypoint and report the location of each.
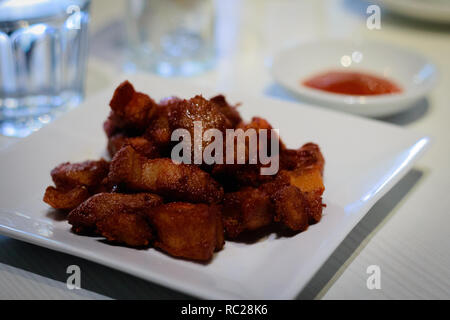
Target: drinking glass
(171, 37)
(43, 50)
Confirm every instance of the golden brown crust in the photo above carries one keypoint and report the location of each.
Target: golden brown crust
(234, 176)
(162, 176)
(291, 208)
(88, 173)
(117, 217)
(230, 112)
(123, 227)
(187, 230)
(75, 182)
(247, 209)
(183, 113)
(308, 156)
(65, 199)
(134, 109)
(258, 123)
(310, 182)
(292, 198)
(159, 131)
(220, 234)
(140, 144)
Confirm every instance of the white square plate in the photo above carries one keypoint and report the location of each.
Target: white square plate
(364, 159)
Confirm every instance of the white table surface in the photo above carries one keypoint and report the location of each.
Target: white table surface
(407, 233)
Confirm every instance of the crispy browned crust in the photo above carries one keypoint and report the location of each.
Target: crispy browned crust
(293, 199)
(65, 199)
(259, 123)
(230, 112)
(159, 131)
(310, 182)
(235, 176)
(186, 230)
(134, 109)
(220, 234)
(75, 182)
(316, 206)
(308, 156)
(140, 144)
(247, 209)
(183, 113)
(291, 208)
(128, 228)
(162, 176)
(118, 217)
(88, 173)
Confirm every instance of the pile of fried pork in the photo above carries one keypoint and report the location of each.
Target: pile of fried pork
(142, 198)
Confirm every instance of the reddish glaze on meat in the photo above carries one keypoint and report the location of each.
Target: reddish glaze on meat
(352, 83)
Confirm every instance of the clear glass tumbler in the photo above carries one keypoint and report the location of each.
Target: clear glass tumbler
(171, 37)
(43, 50)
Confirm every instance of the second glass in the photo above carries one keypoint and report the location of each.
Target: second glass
(171, 37)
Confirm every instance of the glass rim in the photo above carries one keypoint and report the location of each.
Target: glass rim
(12, 22)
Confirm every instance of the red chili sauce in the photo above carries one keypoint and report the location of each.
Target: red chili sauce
(352, 83)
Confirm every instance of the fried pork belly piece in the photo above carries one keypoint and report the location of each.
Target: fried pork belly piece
(308, 156)
(247, 209)
(230, 112)
(65, 199)
(304, 169)
(88, 173)
(140, 144)
(134, 109)
(75, 182)
(164, 177)
(292, 198)
(235, 175)
(118, 217)
(186, 230)
(310, 182)
(258, 123)
(183, 114)
(173, 113)
(127, 228)
(291, 208)
(158, 131)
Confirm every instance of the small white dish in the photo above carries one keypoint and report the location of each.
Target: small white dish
(412, 72)
(359, 170)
